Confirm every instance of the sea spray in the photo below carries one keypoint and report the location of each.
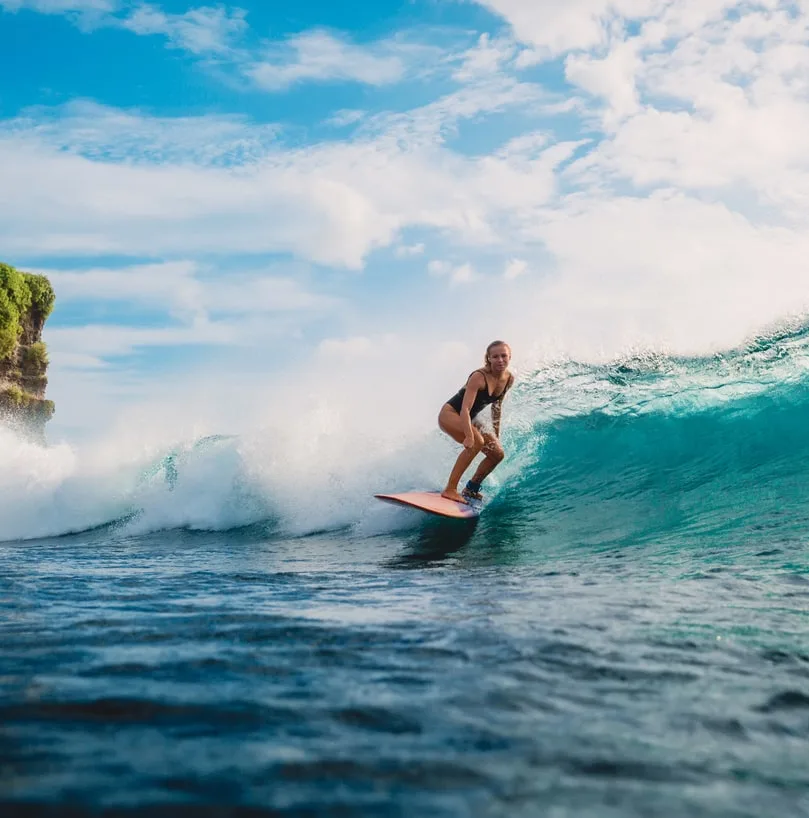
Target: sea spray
(624, 451)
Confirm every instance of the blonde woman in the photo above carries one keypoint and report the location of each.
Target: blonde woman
(484, 387)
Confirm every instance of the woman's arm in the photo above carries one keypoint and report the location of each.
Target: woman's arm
(497, 408)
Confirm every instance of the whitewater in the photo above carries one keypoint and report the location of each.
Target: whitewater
(225, 619)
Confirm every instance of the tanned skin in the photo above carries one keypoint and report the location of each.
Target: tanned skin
(496, 378)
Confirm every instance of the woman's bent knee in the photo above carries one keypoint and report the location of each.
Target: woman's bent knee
(494, 452)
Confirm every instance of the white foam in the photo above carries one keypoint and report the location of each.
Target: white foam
(310, 455)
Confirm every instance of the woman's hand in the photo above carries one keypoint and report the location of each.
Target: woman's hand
(469, 442)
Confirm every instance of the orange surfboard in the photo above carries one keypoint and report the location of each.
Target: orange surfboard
(433, 503)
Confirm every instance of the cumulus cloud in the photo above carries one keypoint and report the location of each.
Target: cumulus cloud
(611, 77)
(724, 107)
(669, 204)
(554, 27)
(668, 269)
(332, 203)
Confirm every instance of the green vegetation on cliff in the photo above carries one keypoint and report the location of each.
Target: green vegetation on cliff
(34, 359)
(22, 296)
(26, 300)
(13, 399)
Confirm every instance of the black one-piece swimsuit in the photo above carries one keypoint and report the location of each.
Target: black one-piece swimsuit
(482, 399)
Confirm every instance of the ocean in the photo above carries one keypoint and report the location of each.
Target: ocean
(226, 626)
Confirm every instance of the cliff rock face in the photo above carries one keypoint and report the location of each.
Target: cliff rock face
(26, 300)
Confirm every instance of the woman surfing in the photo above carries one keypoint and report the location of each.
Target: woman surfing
(484, 387)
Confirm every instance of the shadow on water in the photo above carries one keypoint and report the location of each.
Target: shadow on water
(433, 543)
(498, 536)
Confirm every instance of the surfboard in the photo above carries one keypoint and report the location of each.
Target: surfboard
(433, 503)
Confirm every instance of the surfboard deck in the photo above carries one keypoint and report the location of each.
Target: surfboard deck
(433, 503)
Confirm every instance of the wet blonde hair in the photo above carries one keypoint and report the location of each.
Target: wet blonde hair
(489, 348)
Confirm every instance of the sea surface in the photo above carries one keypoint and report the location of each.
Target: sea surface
(624, 632)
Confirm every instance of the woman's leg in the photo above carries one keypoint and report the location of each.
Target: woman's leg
(494, 455)
(449, 421)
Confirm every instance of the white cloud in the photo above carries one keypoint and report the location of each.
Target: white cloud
(322, 57)
(90, 345)
(688, 200)
(436, 267)
(99, 207)
(667, 269)
(612, 77)
(61, 360)
(179, 288)
(436, 120)
(685, 220)
(556, 26)
(60, 6)
(515, 268)
(463, 274)
(184, 308)
(454, 273)
(410, 250)
(251, 294)
(359, 347)
(101, 133)
(331, 203)
(170, 286)
(96, 341)
(486, 58)
(345, 117)
(203, 30)
(724, 109)
(218, 32)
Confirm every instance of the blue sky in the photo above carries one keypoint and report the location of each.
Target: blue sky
(242, 192)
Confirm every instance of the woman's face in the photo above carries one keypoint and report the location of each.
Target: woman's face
(499, 358)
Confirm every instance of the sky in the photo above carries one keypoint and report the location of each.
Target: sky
(230, 195)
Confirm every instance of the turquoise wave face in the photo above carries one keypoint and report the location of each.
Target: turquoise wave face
(653, 449)
(702, 452)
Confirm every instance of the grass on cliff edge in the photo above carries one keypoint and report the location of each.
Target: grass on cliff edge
(34, 359)
(14, 399)
(23, 296)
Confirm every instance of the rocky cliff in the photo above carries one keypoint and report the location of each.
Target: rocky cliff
(26, 300)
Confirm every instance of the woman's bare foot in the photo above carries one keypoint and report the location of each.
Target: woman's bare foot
(453, 495)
